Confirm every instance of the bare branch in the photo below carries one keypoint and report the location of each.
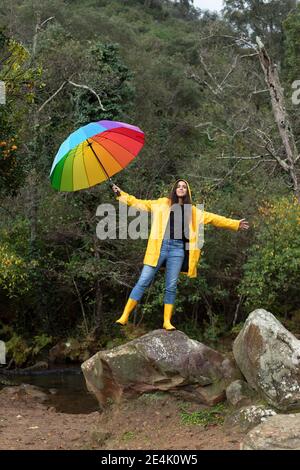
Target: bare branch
(46, 21)
(38, 27)
(252, 169)
(211, 139)
(209, 74)
(229, 173)
(241, 158)
(74, 84)
(269, 175)
(236, 39)
(90, 89)
(270, 148)
(230, 71)
(204, 124)
(259, 43)
(51, 97)
(219, 86)
(249, 55)
(241, 299)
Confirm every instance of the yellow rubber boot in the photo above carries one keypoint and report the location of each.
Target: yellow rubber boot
(131, 304)
(168, 310)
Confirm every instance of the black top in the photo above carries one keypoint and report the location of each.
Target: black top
(179, 234)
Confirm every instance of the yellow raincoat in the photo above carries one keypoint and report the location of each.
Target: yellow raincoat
(160, 211)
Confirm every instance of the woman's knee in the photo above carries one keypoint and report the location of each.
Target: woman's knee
(144, 282)
(172, 287)
(145, 278)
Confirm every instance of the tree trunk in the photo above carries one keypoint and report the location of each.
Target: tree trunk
(98, 313)
(33, 196)
(281, 117)
(98, 306)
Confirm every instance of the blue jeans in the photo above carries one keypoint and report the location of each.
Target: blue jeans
(172, 251)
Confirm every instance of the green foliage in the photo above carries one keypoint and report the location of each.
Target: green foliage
(19, 77)
(272, 271)
(260, 18)
(292, 45)
(40, 342)
(13, 272)
(213, 415)
(128, 436)
(111, 79)
(142, 59)
(115, 342)
(235, 330)
(213, 328)
(149, 398)
(292, 322)
(20, 351)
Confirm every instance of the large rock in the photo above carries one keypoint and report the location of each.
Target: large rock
(24, 392)
(238, 394)
(269, 357)
(2, 352)
(68, 351)
(160, 360)
(248, 417)
(280, 432)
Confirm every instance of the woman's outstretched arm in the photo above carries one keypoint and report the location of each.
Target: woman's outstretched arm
(142, 204)
(223, 222)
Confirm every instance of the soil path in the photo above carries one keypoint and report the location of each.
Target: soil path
(149, 422)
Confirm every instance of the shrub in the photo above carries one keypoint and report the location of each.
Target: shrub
(272, 272)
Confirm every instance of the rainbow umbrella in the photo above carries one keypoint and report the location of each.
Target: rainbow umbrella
(94, 153)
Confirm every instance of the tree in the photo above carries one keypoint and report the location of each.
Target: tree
(108, 75)
(272, 271)
(261, 18)
(291, 27)
(18, 75)
(290, 156)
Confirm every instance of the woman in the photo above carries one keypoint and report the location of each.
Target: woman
(173, 242)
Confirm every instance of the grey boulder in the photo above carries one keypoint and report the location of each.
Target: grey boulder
(280, 432)
(269, 357)
(160, 360)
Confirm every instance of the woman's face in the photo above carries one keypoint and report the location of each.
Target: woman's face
(181, 189)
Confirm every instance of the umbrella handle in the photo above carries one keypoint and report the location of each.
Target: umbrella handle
(111, 184)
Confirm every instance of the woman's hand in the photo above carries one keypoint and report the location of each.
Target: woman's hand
(244, 225)
(116, 189)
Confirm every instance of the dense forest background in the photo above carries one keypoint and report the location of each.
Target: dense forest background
(193, 82)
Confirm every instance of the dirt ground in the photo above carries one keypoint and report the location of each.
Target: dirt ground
(148, 422)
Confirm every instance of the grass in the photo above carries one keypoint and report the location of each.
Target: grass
(128, 435)
(213, 415)
(153, 396)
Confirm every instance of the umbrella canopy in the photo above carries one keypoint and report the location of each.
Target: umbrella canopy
(94, 153)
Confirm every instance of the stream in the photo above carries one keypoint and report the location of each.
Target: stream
(66, 388)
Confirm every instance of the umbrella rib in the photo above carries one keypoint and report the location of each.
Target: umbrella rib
(91, 147)
(72, 180)
(86, 173)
